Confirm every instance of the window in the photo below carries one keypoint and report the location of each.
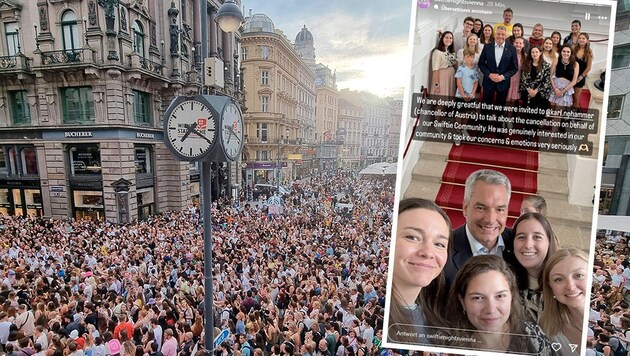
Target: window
(138, 38)
(621, 57)
(77, 104)
(142, 159)
(20, 111)
(262, 132)
(264, 77)
(262, 155)
(141, 107)
(29, 161)
(70, 31)
(4, 168)
(85, 160)
(615, 103)
(264, 52)
(13, 42)
(265, 103)
(243, 53)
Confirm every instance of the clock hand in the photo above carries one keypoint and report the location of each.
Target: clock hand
(189, 130)
(232, 132)
(202, 136)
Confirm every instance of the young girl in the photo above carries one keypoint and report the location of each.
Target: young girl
(443, 66)
(487, 35)
(535, 80)
(584, 58)
(556, 37)
(549, 51)
(564, 74)
(514, 93)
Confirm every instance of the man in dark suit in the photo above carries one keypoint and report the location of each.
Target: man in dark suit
(498, 63)
(486, 200)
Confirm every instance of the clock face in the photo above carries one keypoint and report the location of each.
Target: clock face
(190, 129)
(232, 131)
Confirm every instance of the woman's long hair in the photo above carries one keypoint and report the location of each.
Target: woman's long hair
(442, 47)
(483, 38)
(556, 315)
(431, 297)
(554, 245)
(588, 53)
(529, 61)
(475, 266)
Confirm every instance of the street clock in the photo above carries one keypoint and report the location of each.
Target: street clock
(190, 128)
(204, 127)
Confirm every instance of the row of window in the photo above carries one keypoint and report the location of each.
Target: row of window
(83, 160)
(77, 104)
(69, 35)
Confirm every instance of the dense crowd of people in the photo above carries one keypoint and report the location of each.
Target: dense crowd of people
(309, 281)
(609, 316)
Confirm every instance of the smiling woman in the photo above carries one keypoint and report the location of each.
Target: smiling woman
(423, 237)
(485, 310)
(564, 290)
(534, 242)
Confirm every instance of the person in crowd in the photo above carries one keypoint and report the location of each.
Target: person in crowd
(564, 292)
(514, 95)
(487, 35)
(572, 37)
(508, 14)
(518, 31)
(534, 204)
(477, 27)
(564, 76)
(423, 239)
(536, 39)
(584, 58)
(534, 242)
(460, 38)
(443, 63)
(467, 77)
(472, 45)
(556, 39)
(484, 232)
(535, 80)
(549, 52)
(498, 63)
(484, 304)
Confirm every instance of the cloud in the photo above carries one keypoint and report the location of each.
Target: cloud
(365, 42)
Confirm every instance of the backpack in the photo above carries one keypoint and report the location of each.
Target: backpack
(620, 350)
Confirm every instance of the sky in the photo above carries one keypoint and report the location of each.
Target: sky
(365, 41)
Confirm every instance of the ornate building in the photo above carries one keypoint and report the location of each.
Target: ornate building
(280, 94)
(83, 88)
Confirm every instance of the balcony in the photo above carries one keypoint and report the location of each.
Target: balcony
(18, 65)
(143, 68)
(68, 57)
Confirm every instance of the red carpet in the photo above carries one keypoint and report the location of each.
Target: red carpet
(585, 99)
(520, 166)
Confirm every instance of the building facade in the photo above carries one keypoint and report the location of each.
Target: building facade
(280, 95)
(351, 121)
(83, 88)
(615, 181)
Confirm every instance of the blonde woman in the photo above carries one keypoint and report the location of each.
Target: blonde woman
(472, 45)
(564, 293)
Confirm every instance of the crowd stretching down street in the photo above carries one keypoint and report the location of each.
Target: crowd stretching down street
(309, 281)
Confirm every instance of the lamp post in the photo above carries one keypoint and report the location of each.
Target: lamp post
(229, 18)
(280, 139)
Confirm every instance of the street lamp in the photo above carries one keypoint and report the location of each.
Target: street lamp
(229, 17)
(280, 139)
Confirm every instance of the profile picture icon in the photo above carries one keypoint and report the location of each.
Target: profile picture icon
(424, 4)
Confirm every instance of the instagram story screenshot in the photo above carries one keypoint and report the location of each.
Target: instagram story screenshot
(500, 150)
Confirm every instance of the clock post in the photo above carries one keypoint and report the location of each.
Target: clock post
(206, 129)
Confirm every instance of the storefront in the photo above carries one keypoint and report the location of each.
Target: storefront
(264, 172)
(21, 197)
(86, 182)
